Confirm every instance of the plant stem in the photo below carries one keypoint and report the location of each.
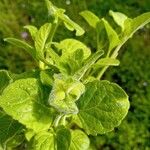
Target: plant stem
(114, 55)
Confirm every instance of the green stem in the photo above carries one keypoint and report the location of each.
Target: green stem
(97, 40)
(114, 55)
(57, 120)
(52, 32)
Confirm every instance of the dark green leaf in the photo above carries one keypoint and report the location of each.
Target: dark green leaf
(9, 128)
(5, 79)
(63, 138)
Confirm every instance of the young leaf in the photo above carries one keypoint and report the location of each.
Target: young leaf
(112, 35)
(64, 94)
(46, 77)
(43, 141)
(41, 38)
(59, 140)
(80, 73)
(105, 103)
(22, 100)
(58, 13)
(106, 62)
(119, 18)
(69, 46)
(5, 80)
(79, 140)
(63, 138)
(8, 128)
(90, 17)
(32, 30)
(23, 45)
(132, 25)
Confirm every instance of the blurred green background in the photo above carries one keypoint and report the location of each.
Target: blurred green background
(133, 74)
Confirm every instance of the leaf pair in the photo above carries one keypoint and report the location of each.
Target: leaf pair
(129, 27)
(63, 139)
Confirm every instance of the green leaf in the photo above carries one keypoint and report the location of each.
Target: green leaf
(102, 35)
(5, 80)
(32, 30)
(119, 18)
(9, 128)
(90, 17)
(71, 25)
(132, 25)
(102, 107)
(72, 63)
(59, 140)
(69, 46)
(44, 141)
(41, 38)
(46, 77)
(23, 101)
(64, 94)
(79, 140)
(63, 138)
(58, 13)
(112, 35)
(23, 45)
(106, 62)
(88, 64)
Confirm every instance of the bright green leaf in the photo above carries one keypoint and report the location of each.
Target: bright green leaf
(132, 25)
(46, 77)
(60, 140)
(79, 140)
(5, 79)
(44, 141)
(90, 17)
(58, 13)
(69, 46)
(102, 107)
(23, 45)
(112, 35)
(119, 18)
(41, 38)
(106, 62)
(80, 73)
(65, 93)
(32, 30)
(23, 101)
